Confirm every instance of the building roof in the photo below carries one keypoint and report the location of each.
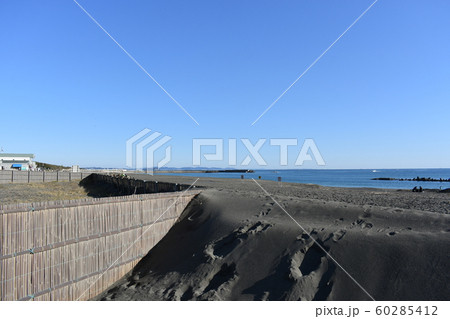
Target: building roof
(14, 161)
(16, 155)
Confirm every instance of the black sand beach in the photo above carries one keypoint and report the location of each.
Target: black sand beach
(234, 242)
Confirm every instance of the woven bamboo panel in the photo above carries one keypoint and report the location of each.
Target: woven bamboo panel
(73, 250)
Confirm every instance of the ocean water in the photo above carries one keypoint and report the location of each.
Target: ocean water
(344, 177)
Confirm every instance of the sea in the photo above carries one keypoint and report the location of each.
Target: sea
(345, 177)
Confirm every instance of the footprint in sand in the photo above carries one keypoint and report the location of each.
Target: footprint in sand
(311, 273)
(362, 223)
(223, 280)
(338, 235)
(225, 245)
(264, 212)
(303, 238)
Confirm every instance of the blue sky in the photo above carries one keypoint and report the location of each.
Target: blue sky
(379, 98)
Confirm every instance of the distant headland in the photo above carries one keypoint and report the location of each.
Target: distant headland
(183, 171)
(416, 179)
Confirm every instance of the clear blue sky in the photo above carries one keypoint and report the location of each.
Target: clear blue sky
(380, 98)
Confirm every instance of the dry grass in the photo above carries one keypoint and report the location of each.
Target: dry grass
(39, 192)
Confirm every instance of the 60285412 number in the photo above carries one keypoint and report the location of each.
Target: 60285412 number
(406, 310)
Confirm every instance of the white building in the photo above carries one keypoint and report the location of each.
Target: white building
(20, 162)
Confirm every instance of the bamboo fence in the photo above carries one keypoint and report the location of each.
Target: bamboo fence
(74, 250)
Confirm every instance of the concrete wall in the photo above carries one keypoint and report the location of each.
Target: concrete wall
(14, 176)
(129, 186)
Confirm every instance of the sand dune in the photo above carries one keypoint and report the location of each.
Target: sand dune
(234, 242)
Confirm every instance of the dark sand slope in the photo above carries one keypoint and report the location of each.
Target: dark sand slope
(235, 243)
